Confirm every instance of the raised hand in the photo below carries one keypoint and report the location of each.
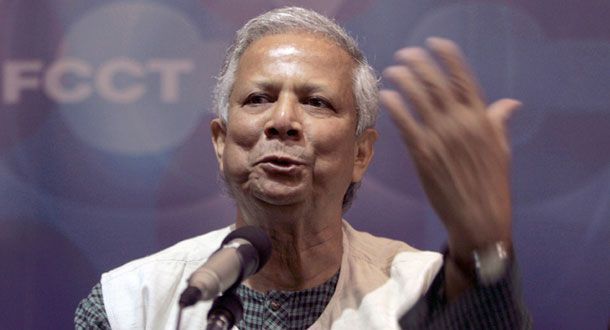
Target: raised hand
(457, 142)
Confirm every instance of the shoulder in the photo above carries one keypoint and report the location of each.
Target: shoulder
(386, 253)
(380, 279)
(190, 251)
(145, 291)
(391, 267)
(90, 313)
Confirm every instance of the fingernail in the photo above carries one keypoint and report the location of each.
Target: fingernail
(406, 54)
(391, 71)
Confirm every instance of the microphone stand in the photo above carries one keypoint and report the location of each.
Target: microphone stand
(225, 312)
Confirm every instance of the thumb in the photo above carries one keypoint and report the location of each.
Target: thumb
(501, 110)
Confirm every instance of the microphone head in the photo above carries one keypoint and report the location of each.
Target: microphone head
(259, 240)
(228, 305)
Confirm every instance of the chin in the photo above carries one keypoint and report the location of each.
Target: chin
(280, 197)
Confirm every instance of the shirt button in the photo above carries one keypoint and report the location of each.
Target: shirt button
(275, 305)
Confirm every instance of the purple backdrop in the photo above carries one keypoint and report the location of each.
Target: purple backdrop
(105, 152)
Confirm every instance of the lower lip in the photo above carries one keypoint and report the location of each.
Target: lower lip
(280, 169)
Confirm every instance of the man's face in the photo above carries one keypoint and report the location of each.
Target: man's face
(290, 136)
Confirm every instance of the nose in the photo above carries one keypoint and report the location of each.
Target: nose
(285, 120)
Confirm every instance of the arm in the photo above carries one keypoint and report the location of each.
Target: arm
(494, 306)
(459, 148)
(461, 153)
(90, 313)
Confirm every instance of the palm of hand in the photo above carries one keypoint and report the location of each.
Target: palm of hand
(459, 145)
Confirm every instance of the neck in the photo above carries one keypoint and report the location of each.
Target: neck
(307, 249)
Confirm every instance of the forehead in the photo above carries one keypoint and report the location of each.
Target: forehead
(290, 42)
(297, 55)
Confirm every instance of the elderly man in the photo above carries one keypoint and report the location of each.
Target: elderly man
(296, 104)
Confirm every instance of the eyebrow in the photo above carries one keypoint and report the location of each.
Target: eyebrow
(300, 88)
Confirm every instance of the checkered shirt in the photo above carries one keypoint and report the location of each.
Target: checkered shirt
(279, 310)
(498, 306)
(269, 311)
(90, 313)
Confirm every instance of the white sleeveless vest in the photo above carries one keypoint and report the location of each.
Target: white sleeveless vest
(380, 279)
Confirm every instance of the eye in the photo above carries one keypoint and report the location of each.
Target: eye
(319, 102)
(257, 99)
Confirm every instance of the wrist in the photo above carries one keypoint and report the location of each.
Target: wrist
(481, 266)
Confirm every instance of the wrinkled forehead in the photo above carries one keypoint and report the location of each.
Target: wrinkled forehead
(298, 43)
(306, 56)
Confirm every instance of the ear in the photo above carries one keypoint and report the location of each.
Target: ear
(363, 153)
(219, 134)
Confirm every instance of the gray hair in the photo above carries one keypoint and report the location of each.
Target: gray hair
(295, 19)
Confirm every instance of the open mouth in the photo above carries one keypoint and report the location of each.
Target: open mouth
(282, 162)
(283, 165)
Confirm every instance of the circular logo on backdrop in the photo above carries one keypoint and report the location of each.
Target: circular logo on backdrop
(493, 44)
(133, 78)
(239, 11)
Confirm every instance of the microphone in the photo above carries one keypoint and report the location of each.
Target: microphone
(242, 253)
(226, 311)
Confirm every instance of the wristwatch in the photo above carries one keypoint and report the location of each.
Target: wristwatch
(491, 263)
(486, 266)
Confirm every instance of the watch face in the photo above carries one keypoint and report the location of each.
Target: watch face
(491, 264)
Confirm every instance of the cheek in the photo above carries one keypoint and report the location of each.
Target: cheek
(242, 136)
(335, 152)
(244, 131)
(332, 137)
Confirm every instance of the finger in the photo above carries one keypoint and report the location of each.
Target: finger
(501, 110)
(429, 74)
(406, 81)
(463, 83)
(399, 112)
